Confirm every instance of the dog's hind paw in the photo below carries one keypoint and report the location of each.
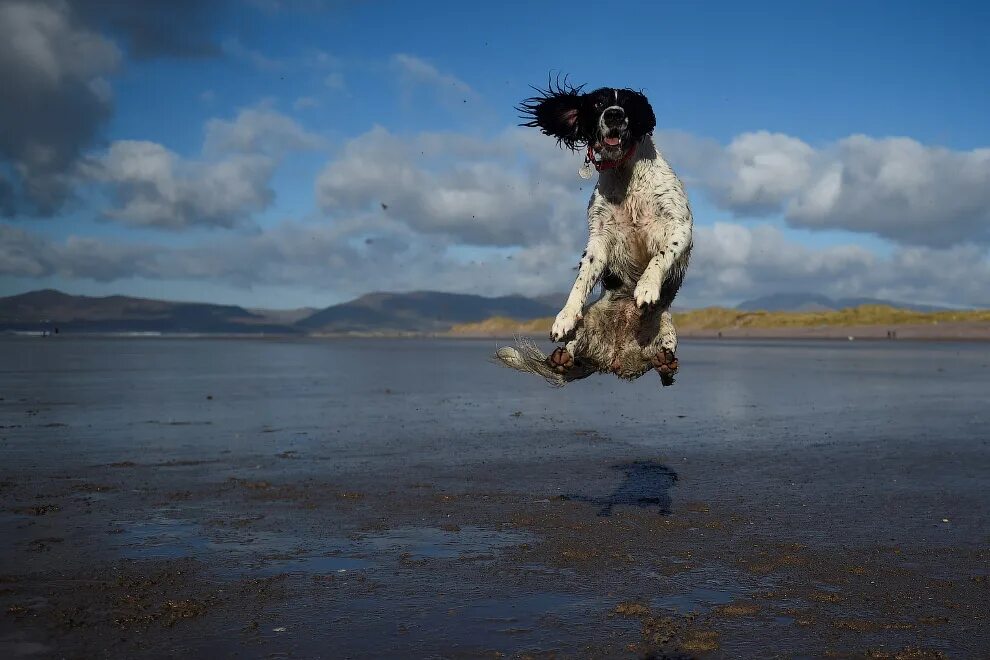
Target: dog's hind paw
(665, 362)
(560, 360)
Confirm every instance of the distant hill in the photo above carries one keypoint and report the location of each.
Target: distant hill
(283, 316)
(387, 313)
(419, 311)
(555, 300)
(49, 309)
(816, 302)
(712, 321)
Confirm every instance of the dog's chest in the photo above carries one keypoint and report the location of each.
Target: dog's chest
(631, 220)
(629, 200)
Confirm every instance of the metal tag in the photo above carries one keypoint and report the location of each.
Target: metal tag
(585, 171)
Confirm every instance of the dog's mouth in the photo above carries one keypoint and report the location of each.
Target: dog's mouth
(610, 145)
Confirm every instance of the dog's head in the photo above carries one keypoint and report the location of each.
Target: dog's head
(609, 120)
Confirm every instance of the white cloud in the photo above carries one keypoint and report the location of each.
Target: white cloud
(24, 254)
(766, 167)
(896, 188)
(258, 130)
(899, 189)
(508, 190)
(155, 187)
(731, 262)
(352, 258)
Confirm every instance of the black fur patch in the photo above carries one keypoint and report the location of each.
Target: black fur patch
(611, 281)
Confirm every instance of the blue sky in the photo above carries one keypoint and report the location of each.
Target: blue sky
(241, 151)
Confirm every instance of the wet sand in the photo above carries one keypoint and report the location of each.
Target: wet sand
(406, 498)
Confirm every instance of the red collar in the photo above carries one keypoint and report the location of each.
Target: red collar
(602, 165)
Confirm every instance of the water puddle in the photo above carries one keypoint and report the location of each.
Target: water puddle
(699, 598)
(470, 625)
(418, 543)
(251, 552)
(705, 589)
(159, 538)
(519, 613)
(314, 565)
(18, 646)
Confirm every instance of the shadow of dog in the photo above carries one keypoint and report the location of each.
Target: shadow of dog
(645, 484)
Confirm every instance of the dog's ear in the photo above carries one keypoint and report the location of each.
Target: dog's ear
(642, 121)
(555, 112)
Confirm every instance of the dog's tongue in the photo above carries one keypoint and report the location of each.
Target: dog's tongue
(612, 141)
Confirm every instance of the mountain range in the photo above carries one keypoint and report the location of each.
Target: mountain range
(816, 302)
(415, 312)
(419, 311)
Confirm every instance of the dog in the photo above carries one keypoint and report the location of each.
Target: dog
(639, 244)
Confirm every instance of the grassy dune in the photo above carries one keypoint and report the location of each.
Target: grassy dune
(720, 318)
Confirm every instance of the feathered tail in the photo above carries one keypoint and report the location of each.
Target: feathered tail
(529, 358)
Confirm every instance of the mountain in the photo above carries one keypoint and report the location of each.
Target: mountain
(816, 302)
(283, 316)
(788, 302)
(554, 300)
(420, 311)
(844, 303)
(48, 309)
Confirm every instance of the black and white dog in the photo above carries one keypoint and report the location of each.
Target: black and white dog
(639, 240)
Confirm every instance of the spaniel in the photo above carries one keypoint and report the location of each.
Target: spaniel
(639, 242)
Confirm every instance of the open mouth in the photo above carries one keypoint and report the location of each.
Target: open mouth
(611, 141)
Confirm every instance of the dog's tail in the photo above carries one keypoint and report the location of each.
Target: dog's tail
(528, 357)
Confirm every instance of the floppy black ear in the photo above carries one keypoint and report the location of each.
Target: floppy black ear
(555, 112)
(641, 118)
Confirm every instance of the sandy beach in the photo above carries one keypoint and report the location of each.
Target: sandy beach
(407, 498)
(941, 331)
(964, 331)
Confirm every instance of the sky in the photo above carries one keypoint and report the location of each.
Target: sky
(280, 154)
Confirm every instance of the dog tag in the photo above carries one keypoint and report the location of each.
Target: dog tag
(585, 171)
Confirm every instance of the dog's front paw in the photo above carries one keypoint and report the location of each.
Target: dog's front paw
(647, 292)
(565, 323)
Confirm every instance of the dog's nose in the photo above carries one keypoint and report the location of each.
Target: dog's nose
(614, 115)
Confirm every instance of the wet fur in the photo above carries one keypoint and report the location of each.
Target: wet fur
(640, 239)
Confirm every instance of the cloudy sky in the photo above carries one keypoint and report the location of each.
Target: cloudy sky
(280, 154)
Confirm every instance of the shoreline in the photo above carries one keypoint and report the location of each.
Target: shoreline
(943, 332)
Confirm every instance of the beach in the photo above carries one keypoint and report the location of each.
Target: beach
(373, 498)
